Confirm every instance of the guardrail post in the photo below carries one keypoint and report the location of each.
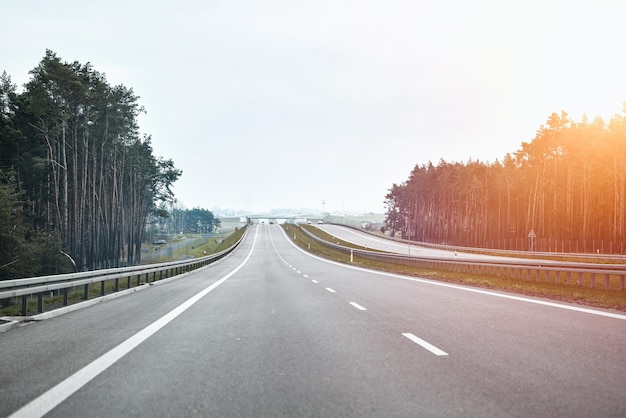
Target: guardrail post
(621, 282)
(102, 288)
(24, 305)
(117, 285)
(65, 292)
(86, 292)
(128, 282)
(138, 280)
(557, 278)
(40, 302)
(593, 280)
(606, 281)
(569, 278)
(580, 278)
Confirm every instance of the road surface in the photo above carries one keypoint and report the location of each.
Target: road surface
(371, 241)
(271, 331)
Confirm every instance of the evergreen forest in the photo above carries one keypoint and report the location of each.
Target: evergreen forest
(77, 180)
(563, 191)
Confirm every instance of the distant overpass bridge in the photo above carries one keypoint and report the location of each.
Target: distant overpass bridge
(275, 218)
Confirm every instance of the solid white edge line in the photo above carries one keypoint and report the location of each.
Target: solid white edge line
(469, 289)
(359, 307)
(428, 346)
(330, 290)
(44, 403)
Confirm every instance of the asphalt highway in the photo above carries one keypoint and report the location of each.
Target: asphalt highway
(371, 241)
(271, 331)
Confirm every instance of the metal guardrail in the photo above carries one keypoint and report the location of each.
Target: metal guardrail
(525, 269)
(44, 285)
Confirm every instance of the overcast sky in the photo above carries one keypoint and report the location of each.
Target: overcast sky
(288, 104)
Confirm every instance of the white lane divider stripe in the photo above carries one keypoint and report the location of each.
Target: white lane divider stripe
(330, 290)
(314, 281)
(54, 396)
(436, 351)
(359, 307)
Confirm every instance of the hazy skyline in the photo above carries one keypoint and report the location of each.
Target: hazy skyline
(284, 104)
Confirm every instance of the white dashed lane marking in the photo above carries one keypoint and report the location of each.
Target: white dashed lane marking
(436, 351)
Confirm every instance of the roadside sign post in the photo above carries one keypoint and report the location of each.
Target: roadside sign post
(532, 237)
